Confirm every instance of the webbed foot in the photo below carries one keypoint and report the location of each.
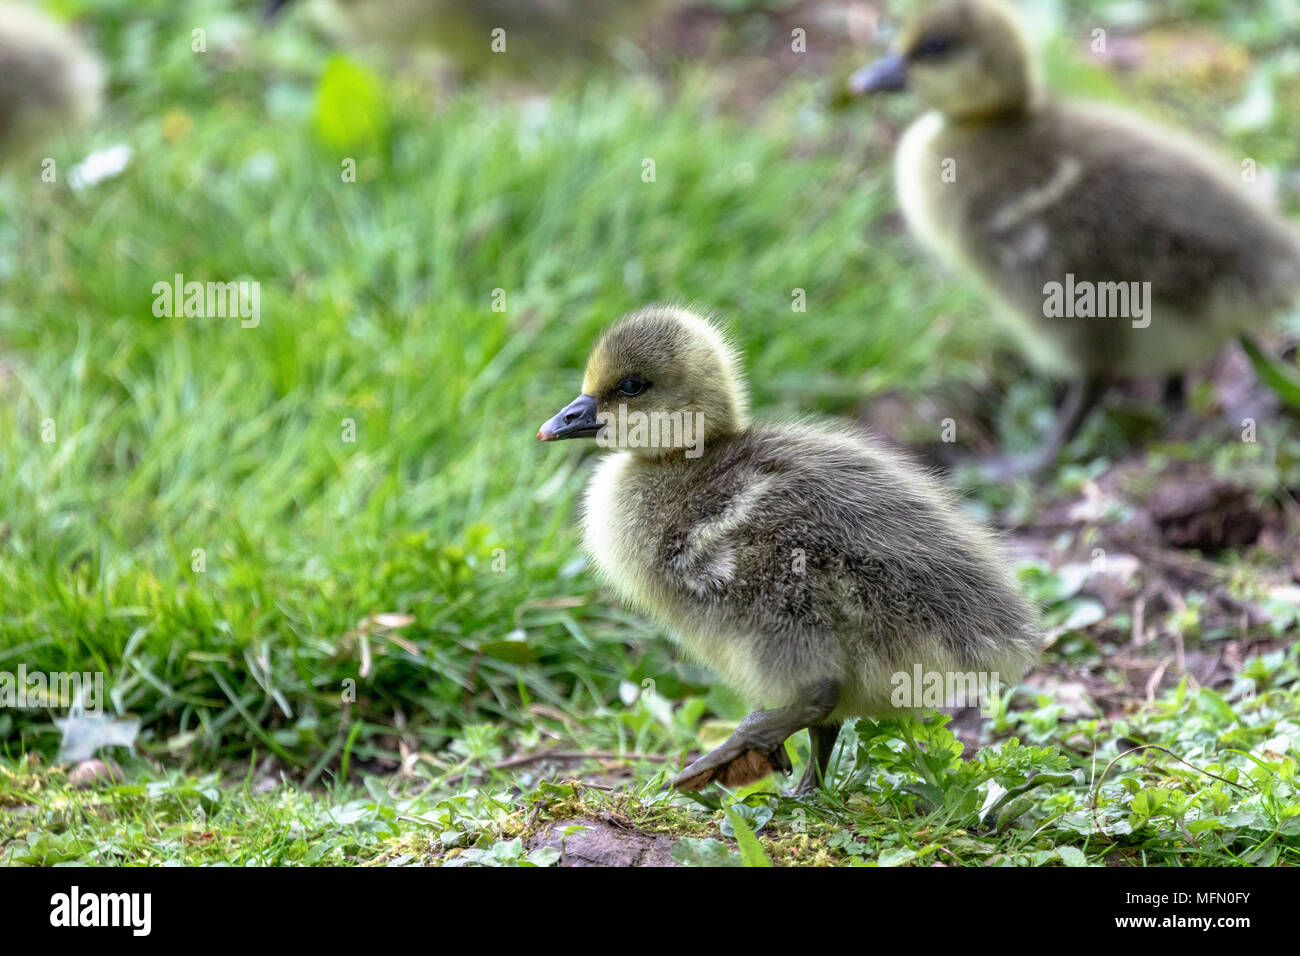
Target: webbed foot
(735, 763)
(757, 748)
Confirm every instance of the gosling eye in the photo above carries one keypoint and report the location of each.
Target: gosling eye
(632, 386)
(932, 46)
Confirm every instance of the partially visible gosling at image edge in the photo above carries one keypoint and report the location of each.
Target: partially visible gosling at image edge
(48, 79)
(1025, 192)
(805, 564)
(520, 38)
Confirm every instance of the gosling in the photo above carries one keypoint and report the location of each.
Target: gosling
(806, 565)
(48, 80)
(515, 38)
(1040, 199)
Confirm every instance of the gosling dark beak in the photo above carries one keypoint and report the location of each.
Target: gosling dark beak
(886, 75)
(575, 420)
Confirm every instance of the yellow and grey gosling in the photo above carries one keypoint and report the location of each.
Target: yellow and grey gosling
(538, 35)
(48, 80)
(805, 564)
(1032, 196)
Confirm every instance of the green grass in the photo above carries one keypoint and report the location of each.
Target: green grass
(1220, 790)
(175, 435)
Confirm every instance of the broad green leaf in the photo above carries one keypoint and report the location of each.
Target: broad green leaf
(1072, 856)
(1281, 379)
(751, 851)
(350, 113)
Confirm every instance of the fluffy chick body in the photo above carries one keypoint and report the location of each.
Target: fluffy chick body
(538, 33)
(1079, 189)
(48, 79)
(787, 554)
(1041, 188)
(792, 553)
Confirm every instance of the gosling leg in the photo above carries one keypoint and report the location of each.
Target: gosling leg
(757, 748)
(821, 738)
(1174, 393)
(1081, 398)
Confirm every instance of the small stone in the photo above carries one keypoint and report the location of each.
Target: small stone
(87, 773)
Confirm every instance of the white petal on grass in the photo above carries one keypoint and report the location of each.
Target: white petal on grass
(1257, 108)
(391, 619)
(84, 734)
(99, 166)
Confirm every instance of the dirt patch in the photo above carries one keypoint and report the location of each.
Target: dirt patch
(603, 844)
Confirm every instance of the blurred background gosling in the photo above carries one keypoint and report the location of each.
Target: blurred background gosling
(1026, 193)
(522, 39)
(49, 81)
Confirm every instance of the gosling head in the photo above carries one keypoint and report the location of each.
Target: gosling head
(968, 59)
(661, 381)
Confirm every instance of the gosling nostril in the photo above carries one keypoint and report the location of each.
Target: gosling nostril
(570, 417)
